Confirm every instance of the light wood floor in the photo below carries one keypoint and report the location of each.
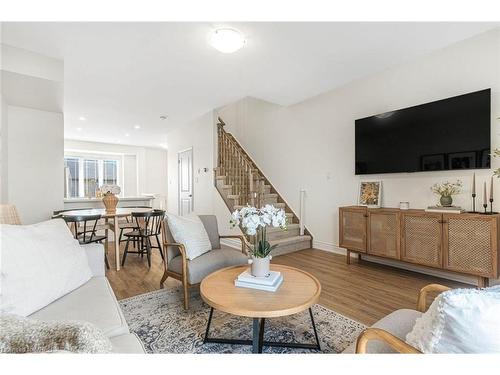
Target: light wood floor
(363, 291)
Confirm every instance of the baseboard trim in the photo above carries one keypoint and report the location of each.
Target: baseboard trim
(331, 248)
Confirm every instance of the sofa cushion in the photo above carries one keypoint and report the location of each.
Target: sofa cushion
(460, 321)
(25, 335)
(40, 263)
(209, 262)
(189, 231)
(399, 323)
(93, 302)
(127, 344)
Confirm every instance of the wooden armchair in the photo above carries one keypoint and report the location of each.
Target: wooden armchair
(192, 272)
(390, 339)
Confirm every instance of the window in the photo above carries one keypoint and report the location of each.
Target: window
(90, 177)
(72, 168)
(84, 175)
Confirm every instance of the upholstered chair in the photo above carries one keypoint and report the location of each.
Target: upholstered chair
(9, 215)
(192, 272)
(388, 334)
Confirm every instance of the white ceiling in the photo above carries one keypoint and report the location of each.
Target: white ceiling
(121, 74)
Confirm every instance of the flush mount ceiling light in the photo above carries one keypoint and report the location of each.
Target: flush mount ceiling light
(137, 126)
(163, 117)
(227, 40)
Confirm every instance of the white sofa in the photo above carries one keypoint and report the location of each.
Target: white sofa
(96, 303)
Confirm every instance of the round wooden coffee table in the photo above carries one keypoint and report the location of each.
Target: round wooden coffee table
(299, 291)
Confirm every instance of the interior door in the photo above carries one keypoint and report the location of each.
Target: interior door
(185, 181)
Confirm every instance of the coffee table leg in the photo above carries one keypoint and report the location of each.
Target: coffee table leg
(314, 328)
(208, 325)
(255, 336)
(261, 334)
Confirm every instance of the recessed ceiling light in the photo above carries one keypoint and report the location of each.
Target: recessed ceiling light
(79, 129)
(127, 135)
(163, 117)
(137, 126)
(82, 118)
(227, 40)
(163, 145)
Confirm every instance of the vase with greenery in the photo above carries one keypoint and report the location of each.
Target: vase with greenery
(254, 222)
(446, 191)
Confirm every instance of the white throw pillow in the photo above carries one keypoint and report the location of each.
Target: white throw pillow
(190, 231)
(460, 321)
(39, 264)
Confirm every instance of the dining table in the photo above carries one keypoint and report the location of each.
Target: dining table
(111, 223)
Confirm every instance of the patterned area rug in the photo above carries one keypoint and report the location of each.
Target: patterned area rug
(163, 325)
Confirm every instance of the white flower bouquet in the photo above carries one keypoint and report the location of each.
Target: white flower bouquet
(109, 188)
(255, 221)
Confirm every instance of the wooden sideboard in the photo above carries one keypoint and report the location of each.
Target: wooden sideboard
(462, 243)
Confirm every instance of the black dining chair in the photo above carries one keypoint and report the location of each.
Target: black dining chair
(128, 223)
(85, 230)
(148, 225)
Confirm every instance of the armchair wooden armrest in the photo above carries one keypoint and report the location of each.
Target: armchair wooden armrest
(422, 296)
(242, 238)
(379, 334)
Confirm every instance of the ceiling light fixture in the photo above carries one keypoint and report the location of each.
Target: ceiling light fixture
(127, 135)
(137, 126)
(163, 117)
(82, 118)
(79, 129)
(227, 40)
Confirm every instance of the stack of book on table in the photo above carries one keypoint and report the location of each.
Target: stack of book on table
(446, 210)
(269, 283)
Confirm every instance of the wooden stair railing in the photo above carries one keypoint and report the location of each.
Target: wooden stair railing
(243, 175)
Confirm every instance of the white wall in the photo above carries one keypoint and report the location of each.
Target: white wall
(35, 162)
(310, 145)
(144, 168)
(199, 135)
(32, 133)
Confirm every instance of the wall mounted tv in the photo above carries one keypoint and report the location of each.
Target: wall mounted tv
(447, 134)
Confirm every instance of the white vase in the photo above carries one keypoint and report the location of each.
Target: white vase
(260, 266)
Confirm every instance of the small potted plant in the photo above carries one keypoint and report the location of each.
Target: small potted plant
(254, 222)
(446, 190)
(110, 198)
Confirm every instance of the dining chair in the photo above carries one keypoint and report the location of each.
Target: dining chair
(128, 223)
(148, 225)
(85, 230)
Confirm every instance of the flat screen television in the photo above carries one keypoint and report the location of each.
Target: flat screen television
(447, 134)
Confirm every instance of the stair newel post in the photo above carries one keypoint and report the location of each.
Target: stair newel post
(219, 147)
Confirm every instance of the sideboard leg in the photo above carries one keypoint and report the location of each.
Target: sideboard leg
(483, 282)
(348, 259)
(359, 257)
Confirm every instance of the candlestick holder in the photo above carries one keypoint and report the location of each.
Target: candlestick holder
(485, 206)
(491, 207)
(473, 203)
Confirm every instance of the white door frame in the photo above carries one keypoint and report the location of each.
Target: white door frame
(179, 179)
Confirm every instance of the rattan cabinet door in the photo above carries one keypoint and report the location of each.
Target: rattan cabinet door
(353, 228)
(383, 233)
(421, 238)
(469, 244)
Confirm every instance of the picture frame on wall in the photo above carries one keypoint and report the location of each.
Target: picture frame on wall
(370, 193)
(462, 160)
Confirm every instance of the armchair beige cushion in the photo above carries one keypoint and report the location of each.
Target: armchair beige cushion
(218, 257)
(399, 323)
(207, 263)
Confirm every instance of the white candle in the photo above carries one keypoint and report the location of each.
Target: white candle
(474, 183)
(484, 194)
(491, 189)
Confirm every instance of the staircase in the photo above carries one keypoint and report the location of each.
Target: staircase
(240, 182)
